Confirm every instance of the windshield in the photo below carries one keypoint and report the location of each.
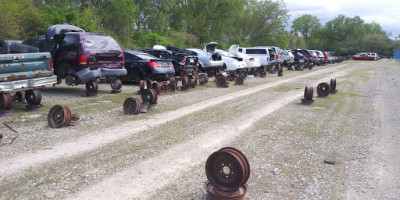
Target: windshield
(100, 43)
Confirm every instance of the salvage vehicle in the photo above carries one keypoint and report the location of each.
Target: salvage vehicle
(141, 65)
(288, 58)
(83, 58)
(363, 56)
(179, 57)
(22, 73)
(277, 59)
(263, 53)
(209, 60)
(231, 64)
(251, 61)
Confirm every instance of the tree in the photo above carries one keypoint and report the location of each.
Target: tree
(305, 25)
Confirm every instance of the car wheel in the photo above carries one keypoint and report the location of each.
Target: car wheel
(116, 84)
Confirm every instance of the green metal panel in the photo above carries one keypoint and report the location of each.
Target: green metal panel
(24, 66)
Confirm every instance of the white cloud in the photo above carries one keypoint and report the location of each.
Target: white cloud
(384, 12)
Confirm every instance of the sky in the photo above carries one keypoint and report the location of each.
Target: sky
(384, 12)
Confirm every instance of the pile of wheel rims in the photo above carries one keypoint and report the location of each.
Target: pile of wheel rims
(221, 81)
(59, 116)
(160, 87)
(227, 172)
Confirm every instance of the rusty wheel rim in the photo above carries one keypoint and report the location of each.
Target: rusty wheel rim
(149, 83)
(239, 81)
(333, 84)
(58, 116)
(92, 88)
(227, 169)
(221, 82)
(186, 83)
(131, 106)
(323, 89)
(161, 88)
(308, 93)
(216, 194)
(184, 74)
(193, 82)
(5, 101)
(149, 96)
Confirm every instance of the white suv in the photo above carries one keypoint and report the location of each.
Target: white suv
(262, 53)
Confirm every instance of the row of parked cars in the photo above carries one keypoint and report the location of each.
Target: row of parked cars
(80, 57)
(366, 56)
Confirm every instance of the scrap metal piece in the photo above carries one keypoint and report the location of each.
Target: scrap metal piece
(227, 169)
(203, 79)
(5, 101)
(323, 89)
(239, 80)
(131, 106)
(221, 82)
(214, 193)
(92, 88)
(58, 116)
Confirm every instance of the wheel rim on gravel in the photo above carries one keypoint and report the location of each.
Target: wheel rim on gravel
(131, 106)
(193, 82)
(5, 101)
(239, 80)
(116, 84)
(186, 83)
(214, 193)
(203, 79)
(149, 96)
(333, 84)
(323, 89)
(92, 88)
(221, 82)
(149, 83)
(33, 97)
(227, 169)
(58, 116)
(243, 74)
(308, 93)
(161, 88)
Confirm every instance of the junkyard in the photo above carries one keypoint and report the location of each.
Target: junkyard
(341, 146)
(199, 99)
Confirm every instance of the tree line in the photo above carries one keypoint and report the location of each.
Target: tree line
(193, 23)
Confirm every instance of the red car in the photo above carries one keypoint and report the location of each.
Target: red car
(362, 56)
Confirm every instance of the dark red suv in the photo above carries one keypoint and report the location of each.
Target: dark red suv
(81, 57)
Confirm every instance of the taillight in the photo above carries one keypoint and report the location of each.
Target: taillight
(183, 62)
(123, 59)
(83, 59)
(51, 64)
(154, 64)
(171, 65)
(277, 56)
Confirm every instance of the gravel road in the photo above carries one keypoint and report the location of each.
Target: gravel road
(161, 154)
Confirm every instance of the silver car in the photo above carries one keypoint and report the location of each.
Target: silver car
(208, 59)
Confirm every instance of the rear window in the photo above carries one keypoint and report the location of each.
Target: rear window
(100, 43)
(256, 51)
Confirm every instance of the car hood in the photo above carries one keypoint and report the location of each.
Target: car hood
(210, 47)
(233, 50)
(61, 28)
